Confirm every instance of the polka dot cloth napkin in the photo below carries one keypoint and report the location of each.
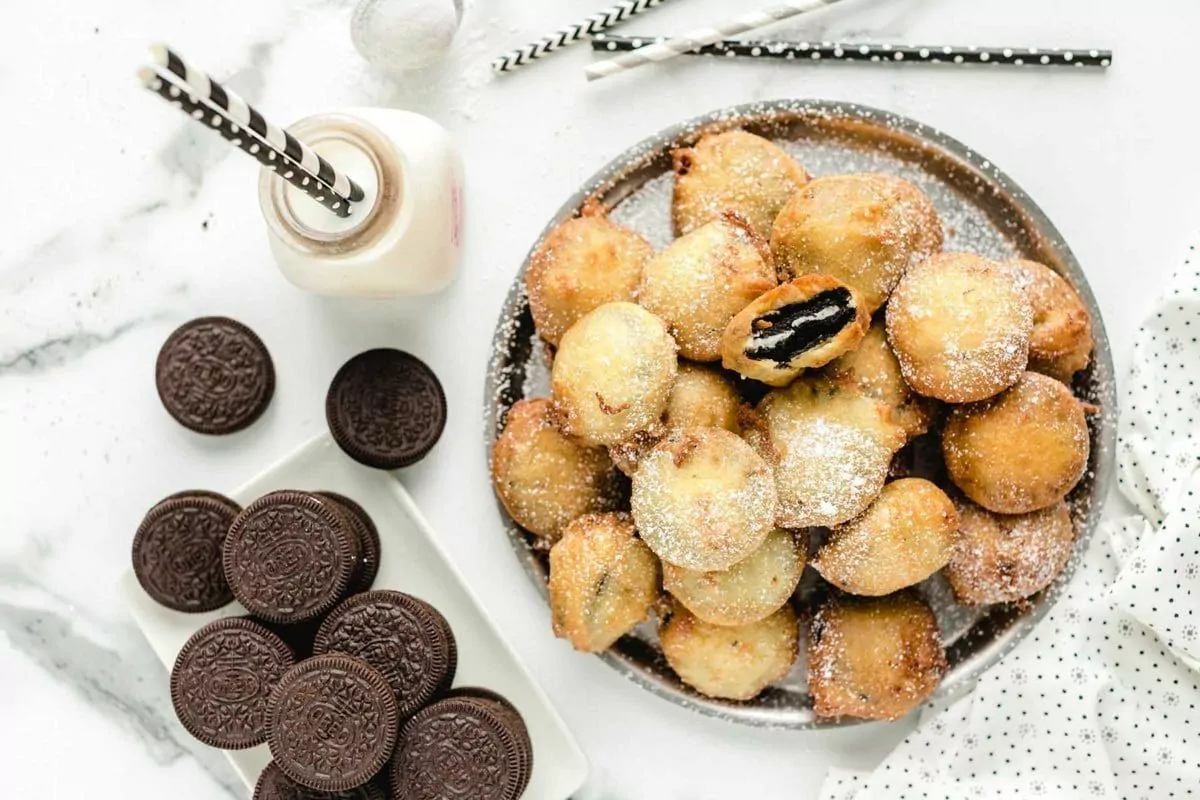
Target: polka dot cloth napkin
(1102, 699)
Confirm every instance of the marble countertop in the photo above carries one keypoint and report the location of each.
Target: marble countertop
(121, 221)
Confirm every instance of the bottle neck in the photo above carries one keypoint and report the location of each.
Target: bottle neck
(304, 226)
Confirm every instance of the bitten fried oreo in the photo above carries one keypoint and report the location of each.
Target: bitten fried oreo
(386, 408)
(274, 785)
(214, 375)
(222, 680)
(804, 323)
(459, 747)
(369, 546)
(289, 556)
(406, 639)
(177, 552)
(332, 722)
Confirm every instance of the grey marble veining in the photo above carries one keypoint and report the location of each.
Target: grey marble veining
(105, 236)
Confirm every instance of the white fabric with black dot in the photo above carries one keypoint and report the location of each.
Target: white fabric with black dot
(1102, 700)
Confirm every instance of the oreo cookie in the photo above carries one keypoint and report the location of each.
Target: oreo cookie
(368, 540)
(501, 705)
(332, 723)
(177, 552)
(406, 639)
(186, 493)
(274, 785)
(386, 408)
(289, 557)
(299, 636)
(214, 375)
(488, 760)
(222, 681)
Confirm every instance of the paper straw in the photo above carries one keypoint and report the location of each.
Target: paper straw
(597, 22)
(890, 53)
(700, 37)
(241, 124)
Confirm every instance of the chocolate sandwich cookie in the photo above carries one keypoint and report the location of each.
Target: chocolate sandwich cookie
(501, 705)
(214, 375)
(274, 785)
(222, 680)
(186, 493)
(368, 540)
(332, 723)
(289, 557)
(299, 636)
(385, 408)
(406, 639)
(177, 552)
(458, 747)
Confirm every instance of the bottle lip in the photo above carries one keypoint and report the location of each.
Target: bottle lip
(287, 226)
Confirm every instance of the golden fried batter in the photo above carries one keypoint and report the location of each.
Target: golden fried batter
(703, 499)
(1020, 451)
(1001, 558)
(865, 229)
(831, 448)
(702, 398)
(1061, 343)
(905, 536)
(705, 277)
(873, 659)
(582, 264)
(613, 373)
(603, 581)
(544, 479)
(750, 590)
(872, 368)
(734, 663)
(802, 324)
(960, 326)
(733, 171)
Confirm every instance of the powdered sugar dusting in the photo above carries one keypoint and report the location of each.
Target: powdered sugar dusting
(982, 212)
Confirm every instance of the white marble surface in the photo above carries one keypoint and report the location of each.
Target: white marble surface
(120, 222)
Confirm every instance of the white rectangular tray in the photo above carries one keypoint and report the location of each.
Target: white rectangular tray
(411, 561)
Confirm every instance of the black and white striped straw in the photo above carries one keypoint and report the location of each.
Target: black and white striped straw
(890, 53)
(597, 22)
(242, 125)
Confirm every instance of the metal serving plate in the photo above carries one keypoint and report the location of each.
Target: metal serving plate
(983, 211)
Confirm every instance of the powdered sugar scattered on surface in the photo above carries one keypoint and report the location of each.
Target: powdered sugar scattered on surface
(641, 191)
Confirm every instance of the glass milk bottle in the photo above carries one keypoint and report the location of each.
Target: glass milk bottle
(402, 238)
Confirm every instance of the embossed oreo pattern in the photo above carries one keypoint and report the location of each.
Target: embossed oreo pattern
(214, 375)
(455, 748)
(332, 723)
(368, 540)
(274, 785)
(404, 638)
(289, 557)
(222, 680)
(513, 719)
(386, 408)
(177, 553)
